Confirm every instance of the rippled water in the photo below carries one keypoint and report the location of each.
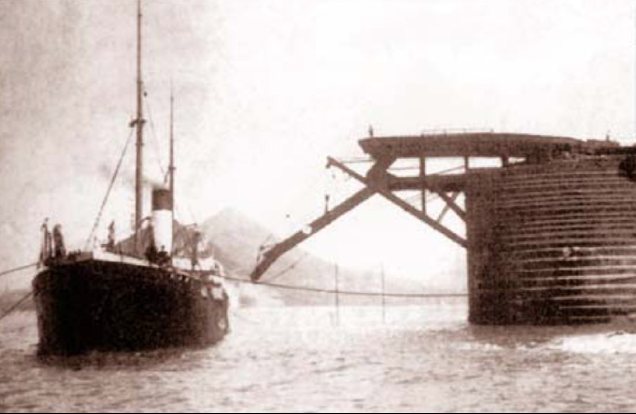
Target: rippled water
(299, 359)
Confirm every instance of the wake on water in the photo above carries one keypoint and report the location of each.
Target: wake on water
(311, 359)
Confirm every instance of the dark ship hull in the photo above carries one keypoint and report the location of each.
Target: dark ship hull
(102, 304)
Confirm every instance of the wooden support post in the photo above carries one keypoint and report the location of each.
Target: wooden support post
(466, 163)
(383, 297)
(337, 283)
(423, 178)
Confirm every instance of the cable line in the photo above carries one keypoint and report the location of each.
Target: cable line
(288, 268)
(110, 187)
(6, 272)
(344, 292)
(157, 147)
(16, 305)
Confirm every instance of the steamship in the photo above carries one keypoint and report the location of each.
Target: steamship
(152, 290)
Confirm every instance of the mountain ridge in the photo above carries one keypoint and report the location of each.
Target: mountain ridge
(235, 239)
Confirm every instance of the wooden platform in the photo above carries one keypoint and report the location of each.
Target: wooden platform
(477, 144)
(550, 232)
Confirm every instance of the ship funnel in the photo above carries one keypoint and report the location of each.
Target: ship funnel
(162, 219)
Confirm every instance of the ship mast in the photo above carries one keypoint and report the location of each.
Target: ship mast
(172, 168)
(139, 122)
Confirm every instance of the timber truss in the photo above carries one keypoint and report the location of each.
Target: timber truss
(384, 151)
(378, 180)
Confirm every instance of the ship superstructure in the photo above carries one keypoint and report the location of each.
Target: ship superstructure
(151, 290)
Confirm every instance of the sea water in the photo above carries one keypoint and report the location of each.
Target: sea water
(402, 358)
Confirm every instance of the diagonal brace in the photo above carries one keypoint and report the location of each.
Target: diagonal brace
(271, 255)
(451, 203)
(446, 208)
(400, 203)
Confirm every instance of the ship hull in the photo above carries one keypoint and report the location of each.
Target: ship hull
(117, 306)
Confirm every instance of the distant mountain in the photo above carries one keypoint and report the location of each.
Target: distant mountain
(235, 240)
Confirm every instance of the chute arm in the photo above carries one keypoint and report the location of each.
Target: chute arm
(271, 255)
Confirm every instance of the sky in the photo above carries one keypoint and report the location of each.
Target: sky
(266, 90)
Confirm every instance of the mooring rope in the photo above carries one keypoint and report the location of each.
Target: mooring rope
(288, 268)
(16, 305)
(17, 269)
(269, 283)
(272, 285)
(345, 292)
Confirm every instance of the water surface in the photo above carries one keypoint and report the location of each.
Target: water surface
(303, 359)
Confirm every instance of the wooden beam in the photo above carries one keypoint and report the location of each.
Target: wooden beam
(423, 178)
(382, 190)
(448, 183)
(446, 208)
(423, 217)
(450, 203)
(474, 145)
(271, 255)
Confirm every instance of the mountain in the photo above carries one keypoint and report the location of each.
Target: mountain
(235, 240)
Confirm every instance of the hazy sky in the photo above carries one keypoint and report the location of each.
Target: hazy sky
(266, 90)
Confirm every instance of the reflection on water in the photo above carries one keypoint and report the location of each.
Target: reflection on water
(300, 359)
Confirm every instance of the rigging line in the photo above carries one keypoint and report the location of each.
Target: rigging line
(182, 216)
(269, 237)
(157, 147)
(355, 160)
(413, 200)
(16, 305)
(17, 269)
(405, 168)
(184, 230)
(185, 233)
(188, 207)
(288, 268)
(415, 167)
(345, 292)
(430, 198)
(460, 167)
(194, 218)
(110, 187)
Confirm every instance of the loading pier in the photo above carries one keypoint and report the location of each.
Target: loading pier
(550, 231)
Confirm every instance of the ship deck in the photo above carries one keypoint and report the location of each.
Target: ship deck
(182, 266)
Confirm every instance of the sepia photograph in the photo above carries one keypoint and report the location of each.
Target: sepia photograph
(324, 206)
